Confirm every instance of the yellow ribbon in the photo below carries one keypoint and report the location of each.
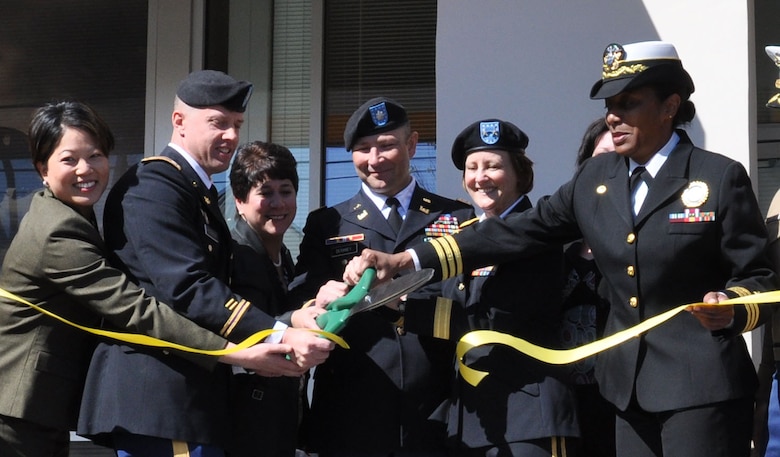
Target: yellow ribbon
(145, 340)
(478, 338)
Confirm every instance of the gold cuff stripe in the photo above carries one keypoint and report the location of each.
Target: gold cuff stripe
(752, 310)
(441, 318)
(558, 446)
(180, 448)
(740, 291)
(231, 304)
(753, 313)
(308, 303)
(445, 273)
(453, 257)
(235, 317)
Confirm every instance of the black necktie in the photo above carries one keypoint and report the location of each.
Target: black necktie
(637, 175)
(394, 219)
(214, 196)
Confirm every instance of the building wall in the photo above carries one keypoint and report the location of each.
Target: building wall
(527, 63)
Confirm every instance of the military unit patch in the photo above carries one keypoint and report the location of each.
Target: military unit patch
(379, 114)
(488, 132)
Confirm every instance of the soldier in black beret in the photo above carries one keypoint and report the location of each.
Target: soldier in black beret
(375, 116)
(164, 225)
(522, 409)
(490, 134)
(205, 88)
(389, 388)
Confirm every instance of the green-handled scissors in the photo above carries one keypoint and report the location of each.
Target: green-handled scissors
(362, 297)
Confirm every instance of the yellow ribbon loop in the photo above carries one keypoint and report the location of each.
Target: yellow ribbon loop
(478, 338)
(144, 340)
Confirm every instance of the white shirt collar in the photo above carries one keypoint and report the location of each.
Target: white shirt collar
(659, 158)
(195, 165)
(506, 211)
(404, 198)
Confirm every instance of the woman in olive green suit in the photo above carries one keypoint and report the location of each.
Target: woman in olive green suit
(57, 261)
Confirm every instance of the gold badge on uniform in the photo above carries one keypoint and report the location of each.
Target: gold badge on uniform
(695, 195)
(362, 215)
(602, 189)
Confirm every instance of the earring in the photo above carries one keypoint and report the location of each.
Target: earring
(45, 184)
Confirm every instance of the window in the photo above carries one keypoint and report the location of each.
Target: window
(378, 48)
(48, 53)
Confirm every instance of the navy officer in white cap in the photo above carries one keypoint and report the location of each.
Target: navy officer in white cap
(688, 231)
(388, 391)
(164, 225)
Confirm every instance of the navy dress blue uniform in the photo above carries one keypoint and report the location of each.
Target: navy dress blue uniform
(681, 389)
(389, 390)
(649, 266)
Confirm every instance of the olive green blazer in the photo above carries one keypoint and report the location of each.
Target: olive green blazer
(57, 261)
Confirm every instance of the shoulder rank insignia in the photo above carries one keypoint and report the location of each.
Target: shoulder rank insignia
(163, 159)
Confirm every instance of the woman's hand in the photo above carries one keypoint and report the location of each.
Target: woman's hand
(714, 317)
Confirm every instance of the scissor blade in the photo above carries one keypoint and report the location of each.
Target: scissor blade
(386, 293)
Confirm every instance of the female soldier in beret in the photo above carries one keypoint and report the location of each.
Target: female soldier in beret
(521, 409)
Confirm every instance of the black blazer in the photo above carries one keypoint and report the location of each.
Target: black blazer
(650, 266)
(265, 412)
(171, 238)
(389, 388)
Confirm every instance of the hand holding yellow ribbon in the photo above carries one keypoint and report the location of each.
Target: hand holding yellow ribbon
(145, 340)
(564, 356)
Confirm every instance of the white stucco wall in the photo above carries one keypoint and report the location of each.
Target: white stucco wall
(532, 64)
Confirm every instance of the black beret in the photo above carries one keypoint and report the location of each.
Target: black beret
(639, 64)
(213, 88)
(490, 134)
(377, 115)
